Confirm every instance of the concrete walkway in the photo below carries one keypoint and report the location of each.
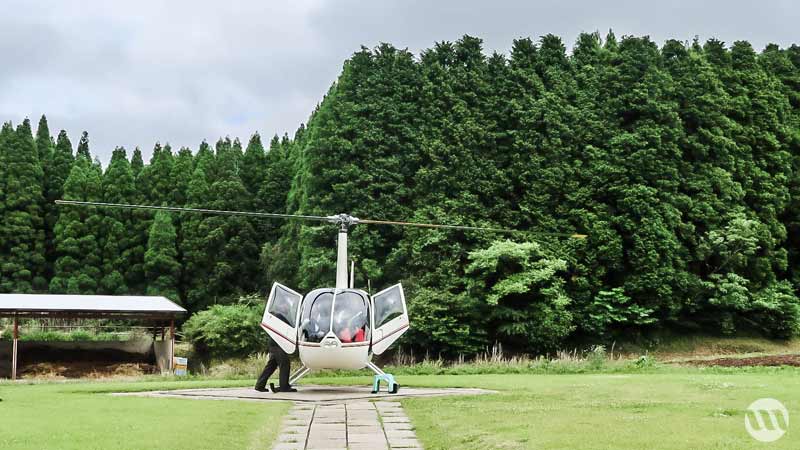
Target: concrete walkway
(332, 417)
(356, 426)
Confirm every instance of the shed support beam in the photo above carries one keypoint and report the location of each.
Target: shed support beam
(172, 346)
(14, 350)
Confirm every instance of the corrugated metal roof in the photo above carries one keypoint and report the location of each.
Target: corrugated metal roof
(88, 304)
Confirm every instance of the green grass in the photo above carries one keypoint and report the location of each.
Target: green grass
(677, 409)
(621, 408)
(82, 416)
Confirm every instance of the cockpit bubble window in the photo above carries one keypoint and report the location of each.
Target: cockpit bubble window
(388, 306)
(284, 306)
(351, 317)
(315, 321)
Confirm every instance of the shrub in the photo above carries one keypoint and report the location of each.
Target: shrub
(226, 331)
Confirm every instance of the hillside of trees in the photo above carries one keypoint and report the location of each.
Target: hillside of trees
(681, 163)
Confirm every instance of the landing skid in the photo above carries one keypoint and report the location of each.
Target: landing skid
(380, 375)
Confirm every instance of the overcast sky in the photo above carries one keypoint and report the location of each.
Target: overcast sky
(133, 73)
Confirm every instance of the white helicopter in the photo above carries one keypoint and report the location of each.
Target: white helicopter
(331, 328)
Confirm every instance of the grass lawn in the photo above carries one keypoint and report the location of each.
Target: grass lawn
(681, 409)
(661, 409)
(81, 416)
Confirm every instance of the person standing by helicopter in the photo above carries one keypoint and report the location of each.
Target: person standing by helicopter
(278, 358)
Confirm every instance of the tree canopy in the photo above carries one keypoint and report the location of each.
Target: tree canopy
(681, 163)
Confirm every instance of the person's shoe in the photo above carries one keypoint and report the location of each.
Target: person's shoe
(287, 389)
(261, 389)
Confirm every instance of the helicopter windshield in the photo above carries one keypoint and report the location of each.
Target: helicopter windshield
(315, 321)
(350, 314)
(351, 317)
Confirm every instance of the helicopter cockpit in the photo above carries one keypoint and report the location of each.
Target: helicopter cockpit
(335, 328)
(346, 313)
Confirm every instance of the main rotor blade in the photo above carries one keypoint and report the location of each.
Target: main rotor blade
(194, 210)
(462, 227)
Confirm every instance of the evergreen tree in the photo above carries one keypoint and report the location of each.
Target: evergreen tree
(197, 263)
(253, 170)
(273, 186)
(160, 262)
(57, 170)
(230, 241)
(23, 265)
(181, 177)
(83, 146)
(44, 144)
(78, 267)
(6, 137)
(118, 256)
(137, 162)
(680, 163)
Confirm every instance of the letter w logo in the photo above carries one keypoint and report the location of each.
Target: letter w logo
(766, 420)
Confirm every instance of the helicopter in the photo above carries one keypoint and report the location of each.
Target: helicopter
(338, 327)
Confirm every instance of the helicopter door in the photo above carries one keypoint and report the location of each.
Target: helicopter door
(389, 318)
(281, 316)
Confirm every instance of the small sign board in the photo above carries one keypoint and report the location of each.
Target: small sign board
(180, 364)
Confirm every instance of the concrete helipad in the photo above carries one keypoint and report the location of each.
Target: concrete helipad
(332, 417)
(309, 394)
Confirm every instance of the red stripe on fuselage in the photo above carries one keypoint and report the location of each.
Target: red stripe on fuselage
(393, 332)
(267, 327)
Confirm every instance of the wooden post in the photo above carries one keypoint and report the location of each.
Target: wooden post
(171, 346)
(14, 350)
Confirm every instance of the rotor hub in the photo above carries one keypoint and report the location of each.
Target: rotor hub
(344, 220)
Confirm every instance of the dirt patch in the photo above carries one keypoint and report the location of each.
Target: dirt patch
(86, 369)
(770, 360)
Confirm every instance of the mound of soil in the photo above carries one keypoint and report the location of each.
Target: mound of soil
(771, 360)
(86, 369)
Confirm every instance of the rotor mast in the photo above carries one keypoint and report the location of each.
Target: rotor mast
(345, 221)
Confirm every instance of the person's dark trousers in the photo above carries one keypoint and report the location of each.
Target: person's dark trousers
(277, 358)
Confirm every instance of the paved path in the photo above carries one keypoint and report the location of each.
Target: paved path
(355, 426)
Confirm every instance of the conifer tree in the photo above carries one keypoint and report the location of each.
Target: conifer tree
(253, 168)
(44, 144)
(137, 162)
(118, 254)
(6, 136)
(58, 169)
(274, 186)
(78, 267)
(197, 263)
(23, 266)
(160, 262)
(83, 146)
(230, 241)
(204, 160)
(180, 176)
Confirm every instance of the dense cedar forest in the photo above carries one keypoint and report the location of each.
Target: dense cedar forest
(681, 163)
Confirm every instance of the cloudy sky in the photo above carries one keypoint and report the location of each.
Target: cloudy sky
(178, 71)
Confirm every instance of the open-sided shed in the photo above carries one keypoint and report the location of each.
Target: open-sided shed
(142, 308)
